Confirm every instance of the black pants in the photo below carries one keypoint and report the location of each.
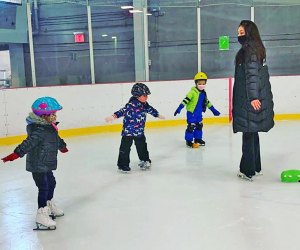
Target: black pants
(46, 184)
(250, 161)
(124, 152)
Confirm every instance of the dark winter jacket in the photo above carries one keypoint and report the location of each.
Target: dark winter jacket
(41, 145)
(252, 82)
(134, 114)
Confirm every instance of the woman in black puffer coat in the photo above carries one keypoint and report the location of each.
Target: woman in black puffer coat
(252, 97)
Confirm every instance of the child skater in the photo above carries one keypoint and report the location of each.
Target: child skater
(196, 102)
(41, 146)
(134, 113)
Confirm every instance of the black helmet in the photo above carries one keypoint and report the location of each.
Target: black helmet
(139, 89)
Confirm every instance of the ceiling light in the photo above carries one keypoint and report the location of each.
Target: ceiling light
(126, 7)
(135, 11)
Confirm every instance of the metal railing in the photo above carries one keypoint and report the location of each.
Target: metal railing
(5, 83)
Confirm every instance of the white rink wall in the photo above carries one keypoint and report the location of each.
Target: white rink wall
(88, 105)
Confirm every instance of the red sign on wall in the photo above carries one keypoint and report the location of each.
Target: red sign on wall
(78, 37)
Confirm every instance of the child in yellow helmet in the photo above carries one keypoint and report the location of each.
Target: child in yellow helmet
(196, 103)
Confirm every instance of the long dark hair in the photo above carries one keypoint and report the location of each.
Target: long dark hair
(253, 44)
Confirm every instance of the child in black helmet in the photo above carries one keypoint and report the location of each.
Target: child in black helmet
(134, 113)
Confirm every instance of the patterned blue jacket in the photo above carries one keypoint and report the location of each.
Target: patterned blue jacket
(134, 114)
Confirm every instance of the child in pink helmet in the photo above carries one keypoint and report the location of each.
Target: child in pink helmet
(41, 147)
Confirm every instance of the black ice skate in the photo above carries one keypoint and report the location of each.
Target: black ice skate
(200, 142)
(189, 144)
(124, 169)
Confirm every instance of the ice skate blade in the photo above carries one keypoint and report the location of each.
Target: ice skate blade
(123, 172)
(145, 169)
(53, 217)
(40, 227)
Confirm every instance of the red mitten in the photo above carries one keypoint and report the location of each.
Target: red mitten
(64, 150)
(10, 157)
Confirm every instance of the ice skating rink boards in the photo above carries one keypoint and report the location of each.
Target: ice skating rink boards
(190, 200)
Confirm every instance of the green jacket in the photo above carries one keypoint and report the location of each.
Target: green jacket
(192, 98)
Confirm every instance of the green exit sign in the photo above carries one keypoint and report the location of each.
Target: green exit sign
(224, 43)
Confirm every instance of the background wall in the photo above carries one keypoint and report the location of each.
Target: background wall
(59, 60)
(88, 105)
(172, 36)
(13, 23)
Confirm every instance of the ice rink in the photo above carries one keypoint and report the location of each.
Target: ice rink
(190, 200)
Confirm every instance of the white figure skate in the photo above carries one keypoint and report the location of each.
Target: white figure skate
(258, 173)
(43, 221)
(243, 176)
(54, 210)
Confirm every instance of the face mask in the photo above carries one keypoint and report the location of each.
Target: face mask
(242, 39)
(201, 87)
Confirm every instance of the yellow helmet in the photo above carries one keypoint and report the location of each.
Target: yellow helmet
(200, 76)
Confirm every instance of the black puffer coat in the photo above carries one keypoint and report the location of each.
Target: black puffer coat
(252, 82)
(41, 146)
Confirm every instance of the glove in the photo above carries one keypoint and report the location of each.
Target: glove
(10, 157)
(64, 150)
(215, 112)
(178, 110)
(161, 117)
(110, 118)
